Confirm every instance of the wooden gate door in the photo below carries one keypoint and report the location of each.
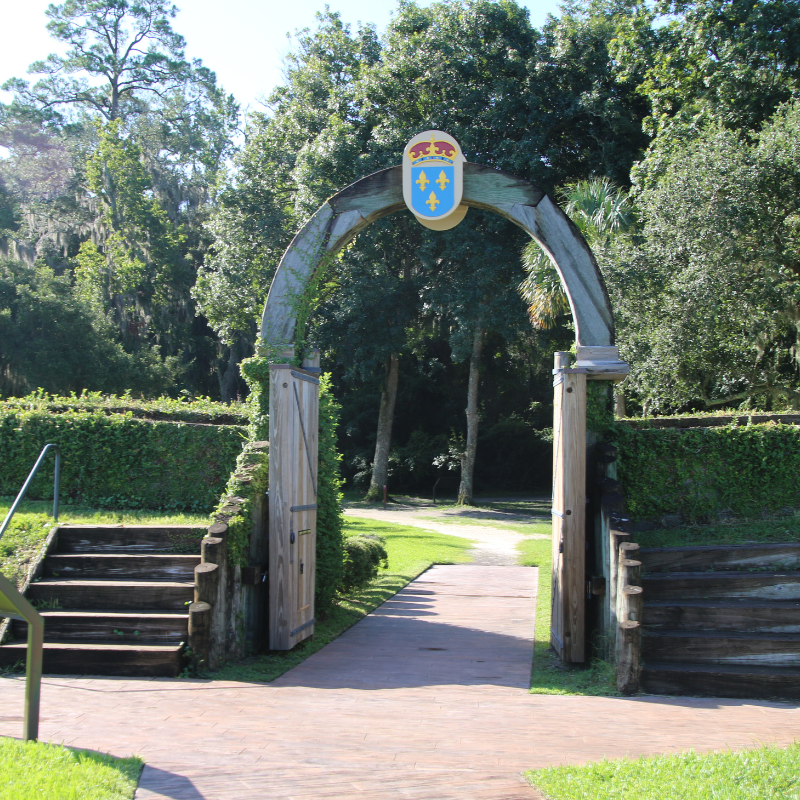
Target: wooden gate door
(293, 435)
(568, 602)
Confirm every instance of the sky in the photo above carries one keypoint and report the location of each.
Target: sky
(243, 41)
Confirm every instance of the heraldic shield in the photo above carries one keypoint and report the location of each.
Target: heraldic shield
(433, 170)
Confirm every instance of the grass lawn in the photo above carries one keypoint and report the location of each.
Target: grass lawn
(411, 551)
(38, 769)
(24, 539)
(765, 773)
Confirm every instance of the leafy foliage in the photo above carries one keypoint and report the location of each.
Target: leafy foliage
(116, 461)
(702, 472)
(196, 409)
(331, 558)
(365, 554)
(706, 296)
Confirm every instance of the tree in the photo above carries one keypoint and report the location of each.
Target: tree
(52, 339)
(601, 211)
(306, 149)
(696, 61)
(129, 62)
(707, 295)
(142, 263)
(122, 112)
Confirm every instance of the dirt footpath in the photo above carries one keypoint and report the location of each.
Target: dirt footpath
(494, 545)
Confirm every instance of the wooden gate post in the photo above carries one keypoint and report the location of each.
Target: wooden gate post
(568, 623)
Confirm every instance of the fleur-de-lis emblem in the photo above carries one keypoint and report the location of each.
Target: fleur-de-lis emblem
(422, 181)
(442, 180)
(432, 202)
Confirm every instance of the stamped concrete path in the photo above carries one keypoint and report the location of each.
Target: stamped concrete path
(425, 699)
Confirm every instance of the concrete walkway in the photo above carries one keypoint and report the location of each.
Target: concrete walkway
(426, 699)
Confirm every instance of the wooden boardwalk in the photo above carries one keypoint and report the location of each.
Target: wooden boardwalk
(380, 714)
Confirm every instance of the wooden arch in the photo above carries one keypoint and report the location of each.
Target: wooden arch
(292, 418)
(341, 217)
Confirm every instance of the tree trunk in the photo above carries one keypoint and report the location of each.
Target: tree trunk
(228, 379)
(468, 459)
(383, 443)
(619, 402)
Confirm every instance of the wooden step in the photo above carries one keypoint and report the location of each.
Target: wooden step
(115, 565)
(721, 680)
(720, 557)
(760, 585)
(753, 616)
(94, 658)
(110, 626)
(717, 647)
(130, 539)
(65, 594)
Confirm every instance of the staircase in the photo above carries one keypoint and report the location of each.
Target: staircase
(722, 620)
(114, 601)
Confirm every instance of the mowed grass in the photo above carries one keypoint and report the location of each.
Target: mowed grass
(40, 770)
(411, 551)
(25, 537)
(766, 773)
(548, 674)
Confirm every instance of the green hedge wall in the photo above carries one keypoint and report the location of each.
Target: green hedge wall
(700, 472)
(199, 409)
(117, 461)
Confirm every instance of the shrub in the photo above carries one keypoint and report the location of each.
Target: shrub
(698, 472)
(117, 461)
(364, 554)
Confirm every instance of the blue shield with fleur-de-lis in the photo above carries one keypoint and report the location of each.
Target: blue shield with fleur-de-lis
(432, 189)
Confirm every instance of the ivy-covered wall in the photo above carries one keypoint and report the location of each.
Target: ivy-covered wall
(118, 461)
(702, 472)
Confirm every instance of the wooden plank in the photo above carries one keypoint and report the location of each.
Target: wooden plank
(707, 585)
(704, 557)
(721, 680)
(304, 499)
(557, 513)
(72, 658)
(717, 647)
(569, 516)
(130, 539)
(167, 595)
(111, 626)
(113, 565)
(724, 615)
(280, 460)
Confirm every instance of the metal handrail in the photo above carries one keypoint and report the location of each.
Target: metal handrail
(31, 476)
(15, 606)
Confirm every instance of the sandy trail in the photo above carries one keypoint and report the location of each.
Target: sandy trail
(496, 546)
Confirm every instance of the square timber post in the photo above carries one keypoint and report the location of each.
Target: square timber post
(568, 623)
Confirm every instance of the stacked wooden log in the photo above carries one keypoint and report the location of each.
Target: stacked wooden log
(629, 618)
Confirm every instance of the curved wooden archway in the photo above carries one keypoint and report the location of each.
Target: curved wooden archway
(293, 454)
(341, 217)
